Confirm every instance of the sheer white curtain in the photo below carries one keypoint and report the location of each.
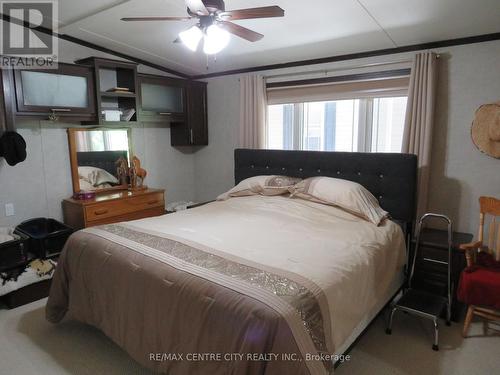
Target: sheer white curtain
(253, 110)
(419, 122)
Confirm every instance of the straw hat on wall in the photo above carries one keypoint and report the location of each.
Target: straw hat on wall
(485, 129)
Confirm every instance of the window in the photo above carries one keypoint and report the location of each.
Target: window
(365, 124)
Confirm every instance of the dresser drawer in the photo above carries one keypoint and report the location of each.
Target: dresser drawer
(123, 206)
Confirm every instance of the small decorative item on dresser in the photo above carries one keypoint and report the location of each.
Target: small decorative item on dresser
(137, 175)
(122, 170)
(83, 194)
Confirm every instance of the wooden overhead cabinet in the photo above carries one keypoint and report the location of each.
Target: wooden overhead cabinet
(162, 99)
(115, 89)
(194, 130)
(67, 91)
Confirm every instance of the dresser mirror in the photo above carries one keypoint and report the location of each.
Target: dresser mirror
(100, 158)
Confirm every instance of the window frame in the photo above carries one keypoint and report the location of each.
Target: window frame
(365, 125)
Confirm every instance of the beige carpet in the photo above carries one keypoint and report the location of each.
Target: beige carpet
(29, 345)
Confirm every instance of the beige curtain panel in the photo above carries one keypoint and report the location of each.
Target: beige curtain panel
(419, 121)
(253, 112)
(338, 91)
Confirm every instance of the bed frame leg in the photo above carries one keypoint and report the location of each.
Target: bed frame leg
(388, 330)
(436, 336)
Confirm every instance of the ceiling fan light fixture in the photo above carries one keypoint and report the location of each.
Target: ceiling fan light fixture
(216, 39)
(191, 37)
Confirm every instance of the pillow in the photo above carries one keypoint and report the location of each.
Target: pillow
(261, 185)
(348, 195)
(96, 176)
(87, 186)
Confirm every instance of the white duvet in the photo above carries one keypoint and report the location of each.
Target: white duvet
(352, 260)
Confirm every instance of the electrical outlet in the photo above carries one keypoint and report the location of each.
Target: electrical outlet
(9, 209)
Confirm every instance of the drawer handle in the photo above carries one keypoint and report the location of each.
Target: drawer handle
(165, 113)
(60, 110)
(100, 212)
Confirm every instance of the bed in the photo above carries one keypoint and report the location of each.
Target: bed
(250, 285)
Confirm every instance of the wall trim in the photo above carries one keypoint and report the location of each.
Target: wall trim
(358, 55)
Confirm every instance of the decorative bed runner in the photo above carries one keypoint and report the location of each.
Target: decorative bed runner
(291, 299)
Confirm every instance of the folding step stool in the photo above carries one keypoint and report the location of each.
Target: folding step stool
(423, 303)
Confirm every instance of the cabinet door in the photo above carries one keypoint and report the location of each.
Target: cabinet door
(68, 90)
(161, 98)
(197, 113)
(180, 134)
(193, 131)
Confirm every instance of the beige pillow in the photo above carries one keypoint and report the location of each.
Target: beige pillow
(261, 185)
(96, 176)
(348, 195)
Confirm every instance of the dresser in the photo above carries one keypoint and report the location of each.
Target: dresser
(113, 207)
(431, 273)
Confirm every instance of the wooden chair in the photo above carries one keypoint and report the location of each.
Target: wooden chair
(479, 284)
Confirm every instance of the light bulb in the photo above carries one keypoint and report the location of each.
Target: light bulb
(191, 37)
(216, 39)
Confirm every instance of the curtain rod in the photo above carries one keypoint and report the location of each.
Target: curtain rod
(326, 71)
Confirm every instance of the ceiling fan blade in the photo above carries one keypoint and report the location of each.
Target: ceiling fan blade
(241, 31)
(156, 18)
(262, 12)
(197, 7)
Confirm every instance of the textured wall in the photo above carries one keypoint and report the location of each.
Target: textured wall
(460, 174)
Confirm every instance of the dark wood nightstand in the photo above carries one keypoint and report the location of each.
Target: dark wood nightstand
(432, 276)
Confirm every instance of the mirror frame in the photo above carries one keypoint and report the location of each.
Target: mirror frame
(74, 159)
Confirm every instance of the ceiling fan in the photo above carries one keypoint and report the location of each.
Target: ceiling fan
(215, 24)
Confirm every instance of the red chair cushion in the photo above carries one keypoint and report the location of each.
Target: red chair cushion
(480, 284)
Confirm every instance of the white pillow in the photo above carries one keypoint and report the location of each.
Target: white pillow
(348, 195)
(261, 185)
(96, 176)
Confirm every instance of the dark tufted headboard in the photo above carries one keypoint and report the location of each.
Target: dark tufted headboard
(390, 177)
(100, 159)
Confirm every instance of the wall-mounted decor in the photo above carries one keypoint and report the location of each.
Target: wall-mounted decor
(485, 130)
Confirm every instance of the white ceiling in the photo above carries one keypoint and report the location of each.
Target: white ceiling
(323, 28)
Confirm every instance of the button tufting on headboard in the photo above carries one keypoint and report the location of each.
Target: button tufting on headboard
(398, 171)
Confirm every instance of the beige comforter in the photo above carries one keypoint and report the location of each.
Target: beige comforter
(252, 285)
